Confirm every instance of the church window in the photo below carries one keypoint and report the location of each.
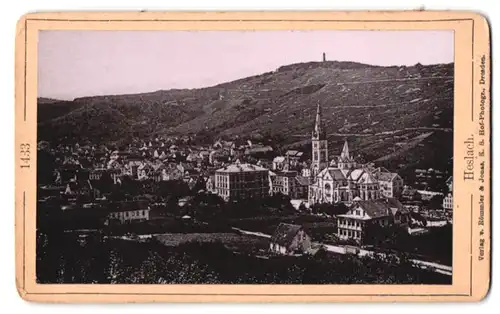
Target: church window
(315, 155)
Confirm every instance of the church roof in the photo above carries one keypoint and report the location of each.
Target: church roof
(367, 178)
(302, 180)
(336, 173)
(355, 174)
(345, 155)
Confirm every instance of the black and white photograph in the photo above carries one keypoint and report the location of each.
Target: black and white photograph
(245, 157)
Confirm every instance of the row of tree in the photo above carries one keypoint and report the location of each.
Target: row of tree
(94, 259)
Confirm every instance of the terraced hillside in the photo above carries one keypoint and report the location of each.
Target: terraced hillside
(390, 114)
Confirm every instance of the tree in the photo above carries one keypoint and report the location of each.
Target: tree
(173, 188)
(206, 206)
(303, 208)
(45, 167)
(278, 201)
(330, 209)
(436, 202)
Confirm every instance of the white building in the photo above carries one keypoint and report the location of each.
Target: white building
(357, 224)
(127, 212)
(448, 202)
(391, 184)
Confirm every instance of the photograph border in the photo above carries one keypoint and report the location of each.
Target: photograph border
(471, 276)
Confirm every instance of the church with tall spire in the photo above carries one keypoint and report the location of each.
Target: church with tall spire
(342, 179)
(319, 145)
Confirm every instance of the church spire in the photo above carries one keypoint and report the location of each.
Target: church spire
(318, 132)
(319, 145)
(345, 152)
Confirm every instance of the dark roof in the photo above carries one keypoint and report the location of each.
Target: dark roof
(253, 150)
(287, 173)
(187, 166)
(284, 234)
(386, 176)
(302, 180)
(381, 207)
(294, 153)
(374, 208)
(396, 204)
(336, 174)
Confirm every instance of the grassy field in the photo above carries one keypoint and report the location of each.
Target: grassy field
(166, 225)
(232, 241)
(317, 227)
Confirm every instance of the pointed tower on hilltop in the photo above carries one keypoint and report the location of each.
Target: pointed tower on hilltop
(319, 145)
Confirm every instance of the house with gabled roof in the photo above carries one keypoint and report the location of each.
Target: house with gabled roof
(145, 171)
(357, 223)
(129, 211)
(289, 239)
(391, 184)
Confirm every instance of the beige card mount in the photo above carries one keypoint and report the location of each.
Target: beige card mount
(253, 157)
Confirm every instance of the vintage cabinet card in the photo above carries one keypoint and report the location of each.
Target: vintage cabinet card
(253, 157)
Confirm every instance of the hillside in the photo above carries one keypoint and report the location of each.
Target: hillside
(389, 113)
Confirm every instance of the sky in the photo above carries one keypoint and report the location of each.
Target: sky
(75, 64)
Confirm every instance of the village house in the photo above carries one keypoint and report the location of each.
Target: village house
(128, 212)
(391, 184)
(289, 183)
(428, 195)
(306, 172)
(363, 214)
(210, 186)
(96, 174)
(259, 151)
(80, 188)
(294, 158)
(284, 182)
(290, 239)
(426, 178)
(409, 194)
(217, 157)
(448, 202)
(449, 184)
(278, 163)
(145, 171)
(301, 187)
